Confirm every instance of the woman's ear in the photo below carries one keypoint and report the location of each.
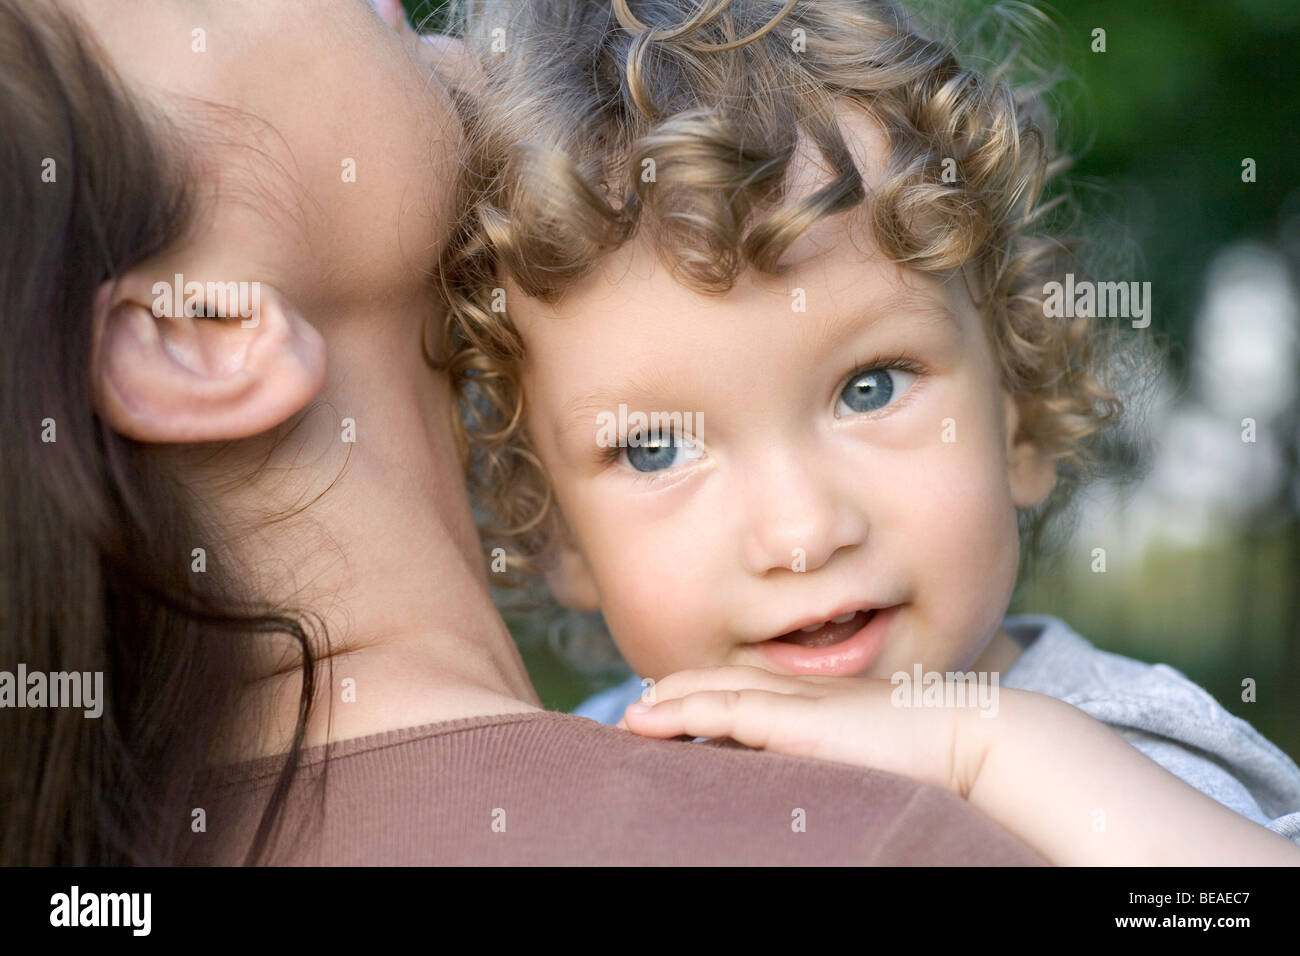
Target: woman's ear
(569, 577)
(1032, 474)
(171, 367)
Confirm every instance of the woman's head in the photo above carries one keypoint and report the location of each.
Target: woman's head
(694, 208)
(234, 146)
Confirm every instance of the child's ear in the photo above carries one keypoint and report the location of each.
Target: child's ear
(569, 577)
(162, 375)
(1032, 474)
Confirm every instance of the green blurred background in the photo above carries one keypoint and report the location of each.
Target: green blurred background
(1203, 538)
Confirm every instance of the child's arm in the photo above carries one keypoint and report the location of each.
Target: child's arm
(1066, 784)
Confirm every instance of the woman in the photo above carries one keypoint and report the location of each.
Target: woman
(249, 519)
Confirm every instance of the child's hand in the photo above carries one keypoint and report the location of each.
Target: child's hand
(1064, 783)
(844, 719)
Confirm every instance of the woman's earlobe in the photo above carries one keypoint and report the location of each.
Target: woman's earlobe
(192, 367)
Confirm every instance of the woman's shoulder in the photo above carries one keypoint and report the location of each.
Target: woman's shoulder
(246, 774)
(542, 787)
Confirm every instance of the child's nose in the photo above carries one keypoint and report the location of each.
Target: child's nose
(797, 517)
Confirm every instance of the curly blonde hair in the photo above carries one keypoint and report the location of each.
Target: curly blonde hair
(723, 94)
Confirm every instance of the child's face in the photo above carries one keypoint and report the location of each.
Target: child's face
(820, 483)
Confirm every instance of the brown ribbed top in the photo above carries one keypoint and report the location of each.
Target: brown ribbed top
(550, 788)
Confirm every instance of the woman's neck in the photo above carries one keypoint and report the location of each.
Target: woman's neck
(374, 536)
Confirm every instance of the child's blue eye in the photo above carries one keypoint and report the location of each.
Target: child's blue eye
(873, 389)
(657, 452)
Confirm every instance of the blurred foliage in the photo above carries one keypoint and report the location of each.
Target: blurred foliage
(1220, 613)
(427, 15)
(1159, 125)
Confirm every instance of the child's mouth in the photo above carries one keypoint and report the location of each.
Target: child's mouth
(828, 632)
(845, 646)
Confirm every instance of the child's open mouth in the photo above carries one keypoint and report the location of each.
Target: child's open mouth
(844, 646)
(828, 632)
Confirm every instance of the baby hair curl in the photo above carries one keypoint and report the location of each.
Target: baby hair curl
(723, 94)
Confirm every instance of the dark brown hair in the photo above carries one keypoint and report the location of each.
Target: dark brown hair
(98, 530)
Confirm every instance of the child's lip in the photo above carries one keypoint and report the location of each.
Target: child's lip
(827, 633)
(846, 609)
(846, 658)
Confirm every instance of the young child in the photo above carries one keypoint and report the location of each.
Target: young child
(749, 319)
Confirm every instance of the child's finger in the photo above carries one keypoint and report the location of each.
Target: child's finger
(755, 718)
(733, 677)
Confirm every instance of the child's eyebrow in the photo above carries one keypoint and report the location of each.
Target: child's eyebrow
(848, 322)
(646, 393)
(638, 394)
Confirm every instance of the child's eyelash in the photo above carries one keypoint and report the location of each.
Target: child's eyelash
(900, 361)
(607, 455)
(610, 453)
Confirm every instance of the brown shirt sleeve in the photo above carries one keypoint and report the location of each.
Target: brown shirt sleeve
(550, 788)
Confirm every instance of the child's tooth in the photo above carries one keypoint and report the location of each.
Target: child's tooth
(812, 627)
(843, 618)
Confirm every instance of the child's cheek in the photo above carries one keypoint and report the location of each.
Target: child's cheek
(966, 549)
(661, 617)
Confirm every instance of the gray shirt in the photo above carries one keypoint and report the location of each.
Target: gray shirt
(1163, 714)
(1154, 707)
